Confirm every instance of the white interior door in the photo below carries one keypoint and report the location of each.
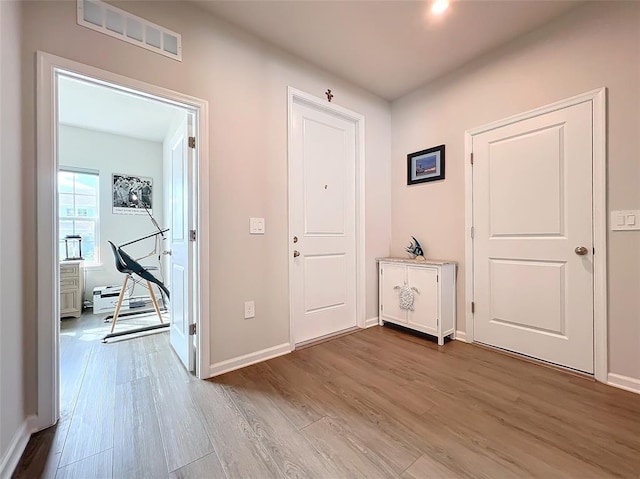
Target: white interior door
(181, 305)
(323, 219)
(532, 207)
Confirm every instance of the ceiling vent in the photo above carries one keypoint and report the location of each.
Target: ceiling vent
(112, 21)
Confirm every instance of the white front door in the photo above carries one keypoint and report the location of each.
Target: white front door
(323, 222)
(533, 246)
(181, 305)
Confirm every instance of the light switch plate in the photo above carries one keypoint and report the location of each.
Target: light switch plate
(625, 220)
(256, 226)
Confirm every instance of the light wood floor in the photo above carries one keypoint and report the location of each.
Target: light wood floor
(378, 403)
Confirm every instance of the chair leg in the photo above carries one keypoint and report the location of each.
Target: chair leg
(155, 303)
(119, 305)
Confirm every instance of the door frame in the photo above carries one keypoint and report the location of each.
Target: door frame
(48, 367)
(295, 96)
(599, 216)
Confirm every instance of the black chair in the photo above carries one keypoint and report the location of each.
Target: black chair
(128, 266)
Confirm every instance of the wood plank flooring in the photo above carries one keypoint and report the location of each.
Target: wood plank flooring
(379, 403)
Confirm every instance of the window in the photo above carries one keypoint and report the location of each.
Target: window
(78, 211)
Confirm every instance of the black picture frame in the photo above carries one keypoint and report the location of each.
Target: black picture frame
(425, 165)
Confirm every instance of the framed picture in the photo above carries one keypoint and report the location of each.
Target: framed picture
(425, 165)
(132, 195)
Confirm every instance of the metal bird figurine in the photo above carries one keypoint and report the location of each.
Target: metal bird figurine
(414, 248)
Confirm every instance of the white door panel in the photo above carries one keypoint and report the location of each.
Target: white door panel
(393, 275)
(181, 248)
(542, 313)
(325, 281)
(532, 193)
(520, 169)
(425, 301)
(322, 189)
(324, 176)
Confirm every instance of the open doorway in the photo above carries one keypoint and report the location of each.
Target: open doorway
(120, 156)
(118, 165)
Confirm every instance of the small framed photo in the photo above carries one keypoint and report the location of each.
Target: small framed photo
(425, 165)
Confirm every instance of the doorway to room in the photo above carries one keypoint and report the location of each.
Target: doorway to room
(121, 164)
(119, 159)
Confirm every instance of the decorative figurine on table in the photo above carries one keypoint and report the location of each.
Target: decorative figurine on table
(414, 249)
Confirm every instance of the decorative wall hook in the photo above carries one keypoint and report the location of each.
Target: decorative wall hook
(329, 95)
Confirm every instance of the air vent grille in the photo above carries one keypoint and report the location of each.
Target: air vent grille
(112, 21)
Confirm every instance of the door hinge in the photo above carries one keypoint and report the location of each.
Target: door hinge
(192, 235)
(381, 307)
(192, 142)
(594, 251)
(381, 271)
(192, 329)
(437, 278)
(473, 307)
(472, 231)
(472, 158)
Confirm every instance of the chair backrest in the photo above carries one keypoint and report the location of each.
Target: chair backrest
(120, 264)
(127, 265)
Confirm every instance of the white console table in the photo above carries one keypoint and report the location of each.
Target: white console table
(432, 286)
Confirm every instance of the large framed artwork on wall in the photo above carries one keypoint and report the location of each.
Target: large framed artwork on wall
(132, 194)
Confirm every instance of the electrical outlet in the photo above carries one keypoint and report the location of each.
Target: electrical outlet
(256, 226)
(249, 309)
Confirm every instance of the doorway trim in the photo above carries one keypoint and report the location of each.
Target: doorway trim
(298, 96)
(599, 216)
(48, 369)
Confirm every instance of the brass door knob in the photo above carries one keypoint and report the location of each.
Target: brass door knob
(581, 250)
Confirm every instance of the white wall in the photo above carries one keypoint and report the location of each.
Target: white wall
(594, 45)
(14, 309)
(108, 154)
(245, 82)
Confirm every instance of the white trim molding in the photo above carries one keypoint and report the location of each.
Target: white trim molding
(460, 336)
(298, 96)
(232, 364)
(16, 448)
(599, 216)
(624, 382)
(49, 67)
(371, 322)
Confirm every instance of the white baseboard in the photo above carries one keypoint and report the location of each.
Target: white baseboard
(624, 382)
(371, 322)
(16, 448)
(249, 359)
(461, 336)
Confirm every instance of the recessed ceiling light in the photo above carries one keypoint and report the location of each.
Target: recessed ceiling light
(439, 6)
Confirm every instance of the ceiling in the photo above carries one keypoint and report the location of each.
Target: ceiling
(96, 107)
(387, 47)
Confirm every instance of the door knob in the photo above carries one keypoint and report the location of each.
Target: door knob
(581, 250)
(296, 253)
(167, 252)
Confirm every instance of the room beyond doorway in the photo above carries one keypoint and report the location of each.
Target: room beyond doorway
(52, 72)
